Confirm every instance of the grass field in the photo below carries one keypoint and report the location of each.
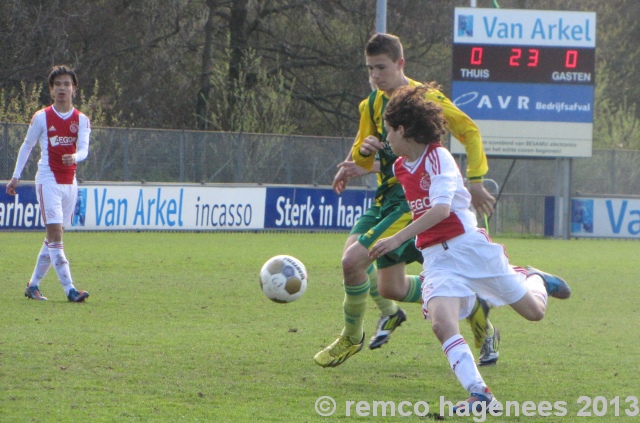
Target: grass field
(177, 330)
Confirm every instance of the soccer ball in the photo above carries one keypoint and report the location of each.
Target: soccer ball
(283, 279)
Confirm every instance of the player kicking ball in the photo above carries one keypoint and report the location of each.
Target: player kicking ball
(387, 282)
(460, 260)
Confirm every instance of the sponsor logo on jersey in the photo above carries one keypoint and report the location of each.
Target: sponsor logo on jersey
(52, 128)
(56, 141)
(420, 205)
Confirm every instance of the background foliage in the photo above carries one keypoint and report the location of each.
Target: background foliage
(197, 64)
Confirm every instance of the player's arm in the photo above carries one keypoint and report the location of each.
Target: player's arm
(37, 126)
(82, 144)
(431, 218)
(466, 131)
(347, 169)
(362, 155)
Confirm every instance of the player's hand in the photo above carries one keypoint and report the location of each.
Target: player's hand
(11, 186)
(384, 246)
(370, 145)
(352, 170)
(340, 181)
(482, 201)
(346, 170)
(68, 159)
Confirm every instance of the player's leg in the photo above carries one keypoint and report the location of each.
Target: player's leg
(445, 313)
(386, 306)
(355, 262)
(502, 283)
(396, 285)
(391, 272)
(489, 353)
(356, 285)
(485, 335)
(540, 285)
(533, 305)
(43, 263)
(58, 203)
(451, 274)
(554, 285)
(392, 319)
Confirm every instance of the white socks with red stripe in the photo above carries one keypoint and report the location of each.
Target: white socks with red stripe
(61, 265)
(42, 265)
(462, 363)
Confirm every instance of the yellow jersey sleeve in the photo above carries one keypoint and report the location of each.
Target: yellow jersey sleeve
(466, 131)
(367, 127)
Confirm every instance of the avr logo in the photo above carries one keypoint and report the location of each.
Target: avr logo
(486, 101)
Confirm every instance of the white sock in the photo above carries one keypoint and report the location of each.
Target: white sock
(463, 364)
(42, 265)
(536, 286)
(61, 265)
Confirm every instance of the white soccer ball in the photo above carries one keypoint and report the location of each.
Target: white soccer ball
(283, 279)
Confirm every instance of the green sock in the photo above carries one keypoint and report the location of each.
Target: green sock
(386, 306)
(414, 294)
(355, 304)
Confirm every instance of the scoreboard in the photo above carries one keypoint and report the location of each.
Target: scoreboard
(543, 65)
(527, 78)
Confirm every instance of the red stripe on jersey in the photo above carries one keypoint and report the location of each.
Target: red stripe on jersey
(432, 155)
(63, 139)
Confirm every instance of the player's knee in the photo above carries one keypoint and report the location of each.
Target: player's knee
(538, 315)
(535, 314)
(349, 263)
(389, 291)
(440, 329)
(355, 259)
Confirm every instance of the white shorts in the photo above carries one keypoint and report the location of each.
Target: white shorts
(470, 264)
(57, 202)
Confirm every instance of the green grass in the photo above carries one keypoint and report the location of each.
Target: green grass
(177, 330)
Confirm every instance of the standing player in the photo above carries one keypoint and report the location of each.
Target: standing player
(459, 259)
(63, 133)
(385, 60)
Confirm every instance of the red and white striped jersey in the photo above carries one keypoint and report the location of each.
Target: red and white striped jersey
(435, 179)
(58, 134)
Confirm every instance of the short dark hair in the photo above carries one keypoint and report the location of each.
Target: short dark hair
(422, 120)
(62, 70)
(387, 44)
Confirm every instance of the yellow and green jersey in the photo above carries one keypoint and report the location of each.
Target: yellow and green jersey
(461, 126)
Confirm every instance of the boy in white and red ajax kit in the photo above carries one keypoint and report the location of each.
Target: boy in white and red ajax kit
(63, 133)
(460, 260)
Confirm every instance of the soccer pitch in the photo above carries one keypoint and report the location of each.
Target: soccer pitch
(177, 330)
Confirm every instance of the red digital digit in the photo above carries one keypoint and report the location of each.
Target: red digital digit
(516, 54)
(533, 57)
(571, 59)
(476, 56)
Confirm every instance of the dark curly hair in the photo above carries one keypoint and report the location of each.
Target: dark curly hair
(422, 120)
